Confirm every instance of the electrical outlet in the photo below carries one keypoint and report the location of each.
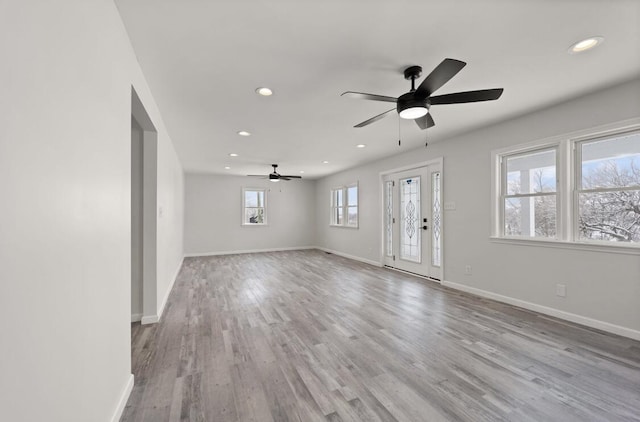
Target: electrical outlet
(467, 269)
(561, 290)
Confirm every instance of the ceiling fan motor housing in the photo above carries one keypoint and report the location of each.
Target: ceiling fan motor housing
(408, 101)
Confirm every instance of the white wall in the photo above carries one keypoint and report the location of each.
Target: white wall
(170, 235)
(601, 286)
(65, 167)
(213, 214)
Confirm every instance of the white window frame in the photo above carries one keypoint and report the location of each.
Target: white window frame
(244, 207)
(577, 184)
(503, 188)
(567, 235)
(345, 206)
(333, 207)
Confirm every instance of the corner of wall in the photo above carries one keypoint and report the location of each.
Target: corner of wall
(124, 397)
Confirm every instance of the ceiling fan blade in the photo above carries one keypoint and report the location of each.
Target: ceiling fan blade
(364, 96)
(374, 118)
(290, 177)
(425, 121)
(446, 70)
(467, 97)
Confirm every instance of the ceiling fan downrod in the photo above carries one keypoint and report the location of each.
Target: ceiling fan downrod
(412, 73)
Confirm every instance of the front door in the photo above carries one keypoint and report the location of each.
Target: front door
(413, 221)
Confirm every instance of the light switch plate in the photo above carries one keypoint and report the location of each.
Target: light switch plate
(561, 290)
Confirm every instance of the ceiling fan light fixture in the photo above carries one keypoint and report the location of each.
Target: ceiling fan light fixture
(413, 113)
(274, 177)
(410, 107)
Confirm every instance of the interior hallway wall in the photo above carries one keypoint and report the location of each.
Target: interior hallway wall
(65, 221)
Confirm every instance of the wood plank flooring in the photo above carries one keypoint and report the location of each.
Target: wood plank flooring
(309, 336)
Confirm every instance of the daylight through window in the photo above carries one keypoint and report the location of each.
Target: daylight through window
(344, 206)
(254, 207)
(530, 194)
(608, 189)
(585, 190)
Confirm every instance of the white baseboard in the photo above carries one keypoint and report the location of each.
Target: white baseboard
(124, 397)
(152, 319)
(355, 258)
(568, 316)
(294, 248)
(149, 319)
(168, 292)
(136, 317)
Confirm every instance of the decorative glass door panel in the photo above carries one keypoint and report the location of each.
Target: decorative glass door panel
(436, 220)
(388, 218)
(412, 220)
(410, 230)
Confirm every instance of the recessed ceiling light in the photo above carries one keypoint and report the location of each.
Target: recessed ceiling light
(233, 154)
(227, 168)
(586, 44)
(264, 91)
(301, 171)
(325, 162)
(360, 146)
(244, 133)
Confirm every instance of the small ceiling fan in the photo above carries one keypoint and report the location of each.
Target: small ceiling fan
(415, 104)
(275, 176)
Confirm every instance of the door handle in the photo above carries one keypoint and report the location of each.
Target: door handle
(424, 227)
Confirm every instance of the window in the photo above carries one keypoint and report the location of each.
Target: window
(608, 188)
(344, 206)
(529, 193)
(337, 206)
(352, 206)
(254, 207)
(584, 189)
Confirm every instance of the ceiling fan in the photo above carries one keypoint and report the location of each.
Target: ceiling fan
(275, 176)
(415, 104)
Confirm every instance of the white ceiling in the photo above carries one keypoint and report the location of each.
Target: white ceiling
(204, 58)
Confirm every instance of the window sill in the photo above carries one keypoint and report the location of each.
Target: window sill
(342, 226)
(254, 224)
(562, 244)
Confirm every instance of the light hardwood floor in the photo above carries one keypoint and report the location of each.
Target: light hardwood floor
(308, 336)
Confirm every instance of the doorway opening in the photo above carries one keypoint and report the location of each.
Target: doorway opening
(412, 219)
(144, 165)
